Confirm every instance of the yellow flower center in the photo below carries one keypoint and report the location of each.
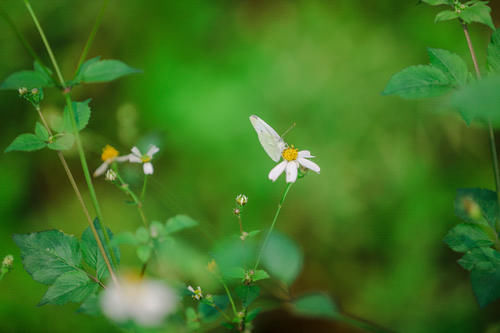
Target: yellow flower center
(108, 152)
(290, 154)
(145, 158)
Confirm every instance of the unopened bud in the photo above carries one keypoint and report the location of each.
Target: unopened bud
(241, 199)
(244, 235)
(8, 261)
(236, 211)
(22, 91)
(110, 175)
(34, 91)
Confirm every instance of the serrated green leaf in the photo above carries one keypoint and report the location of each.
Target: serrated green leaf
(178, 223)
(437, 2)
(92, 254)
(83, 68)
(247, 294)
(41, 132)
(446, 15)
(282, 258)
(25, 79)
(144, 253)
(105, 70)
(479, 13)
(260, 274)
(467, 236)
(486, 199)
(62, 142)
(316, 305)
(26, 142)
(450, 64)
(72, 286)
(82, 115)
(44, 72)
(483, 258)
(494, 52)
(418, 82)
(479, 100)
(486, 285)
(48, 254)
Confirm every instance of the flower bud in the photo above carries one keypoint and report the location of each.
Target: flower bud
(110, 175)
(22, 91)
(244, 235)
(241, 199)
(34, 91)
(236, 211)
(8, 261)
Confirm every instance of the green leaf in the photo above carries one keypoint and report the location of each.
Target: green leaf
(25, 79)
(235, 273)
(450, 64)
(178, 223)
(26, 142)
(91, 253)
(316, 305)
(124, 238)
(437, 2)
(90, 306)
(486, 199)
(446, 15)
(72, 286)
(467, 236)
(484, 259)
(44, 72)
(486, 285)
(478, 12)
(247, 294)
(192, 319)
(82, 116)
(260, 274)
(282, 257)
(62, 142)
(142, 235)
(83, 68)
(494, 52)
(479, 100)
(209, 313)
(418, 82)
(105, 70)
(144, 253)
(41, 132)
(48, 254)
(252, 314)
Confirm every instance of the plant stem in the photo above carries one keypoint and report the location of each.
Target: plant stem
(93, 32)
(222, 312)
(229, 296)
(288, 186)
(144, 184)
(491, 132)
(125, 188)
(75, 128)
(80, 199)
(240, 223)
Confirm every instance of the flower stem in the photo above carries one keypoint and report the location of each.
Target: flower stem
(233, 305)
(144, 185)
(93, 32)
(491, 132)
(125, 188)
(288, 186)
(75, 129)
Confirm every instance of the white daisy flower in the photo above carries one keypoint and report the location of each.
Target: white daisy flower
(197, 295)
(292, 160)
(108, 156)
(147, 302)
(145, 159)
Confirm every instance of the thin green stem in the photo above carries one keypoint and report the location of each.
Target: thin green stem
(144, 185)
(92, 35)
(233, 305)
(288, 186)
(125, 188)
(491, 132)
(222, 312)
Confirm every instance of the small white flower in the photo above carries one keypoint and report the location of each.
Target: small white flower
(108, 156)
(110, 175)
(241, 199)
(146, 302)
(292, 160)
(197, 294)
(138, 157)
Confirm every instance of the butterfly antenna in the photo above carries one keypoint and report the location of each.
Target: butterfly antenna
(289, 129)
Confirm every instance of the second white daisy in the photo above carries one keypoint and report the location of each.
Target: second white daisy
(145, 159)
(292, 160)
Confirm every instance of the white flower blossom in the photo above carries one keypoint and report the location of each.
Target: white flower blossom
(108, 156)
(197, 294)
(145, 159)
(147, 302)
(292, 160)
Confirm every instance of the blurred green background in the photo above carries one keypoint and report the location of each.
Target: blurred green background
(371, 225)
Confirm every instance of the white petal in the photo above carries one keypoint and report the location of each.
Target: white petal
(101, 169)
(152, 150)
(124, 158)
(148, 168)
(305, 154)
(191, 289)
(291, 172)
(277, 170)
(136, 152)
(134, 159)
(309, 164)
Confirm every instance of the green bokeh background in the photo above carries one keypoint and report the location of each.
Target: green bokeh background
(371, 225)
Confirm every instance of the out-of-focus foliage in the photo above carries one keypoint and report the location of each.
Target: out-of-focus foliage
(371, 225)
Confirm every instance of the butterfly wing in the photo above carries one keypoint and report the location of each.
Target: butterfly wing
(270, 140)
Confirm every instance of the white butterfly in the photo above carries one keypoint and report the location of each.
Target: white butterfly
(270, 140)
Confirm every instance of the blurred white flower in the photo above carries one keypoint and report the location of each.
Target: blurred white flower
(108, 156)
(241, 199)
(145, 159)
(292, 160)
(197, 295)
(147, 302)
